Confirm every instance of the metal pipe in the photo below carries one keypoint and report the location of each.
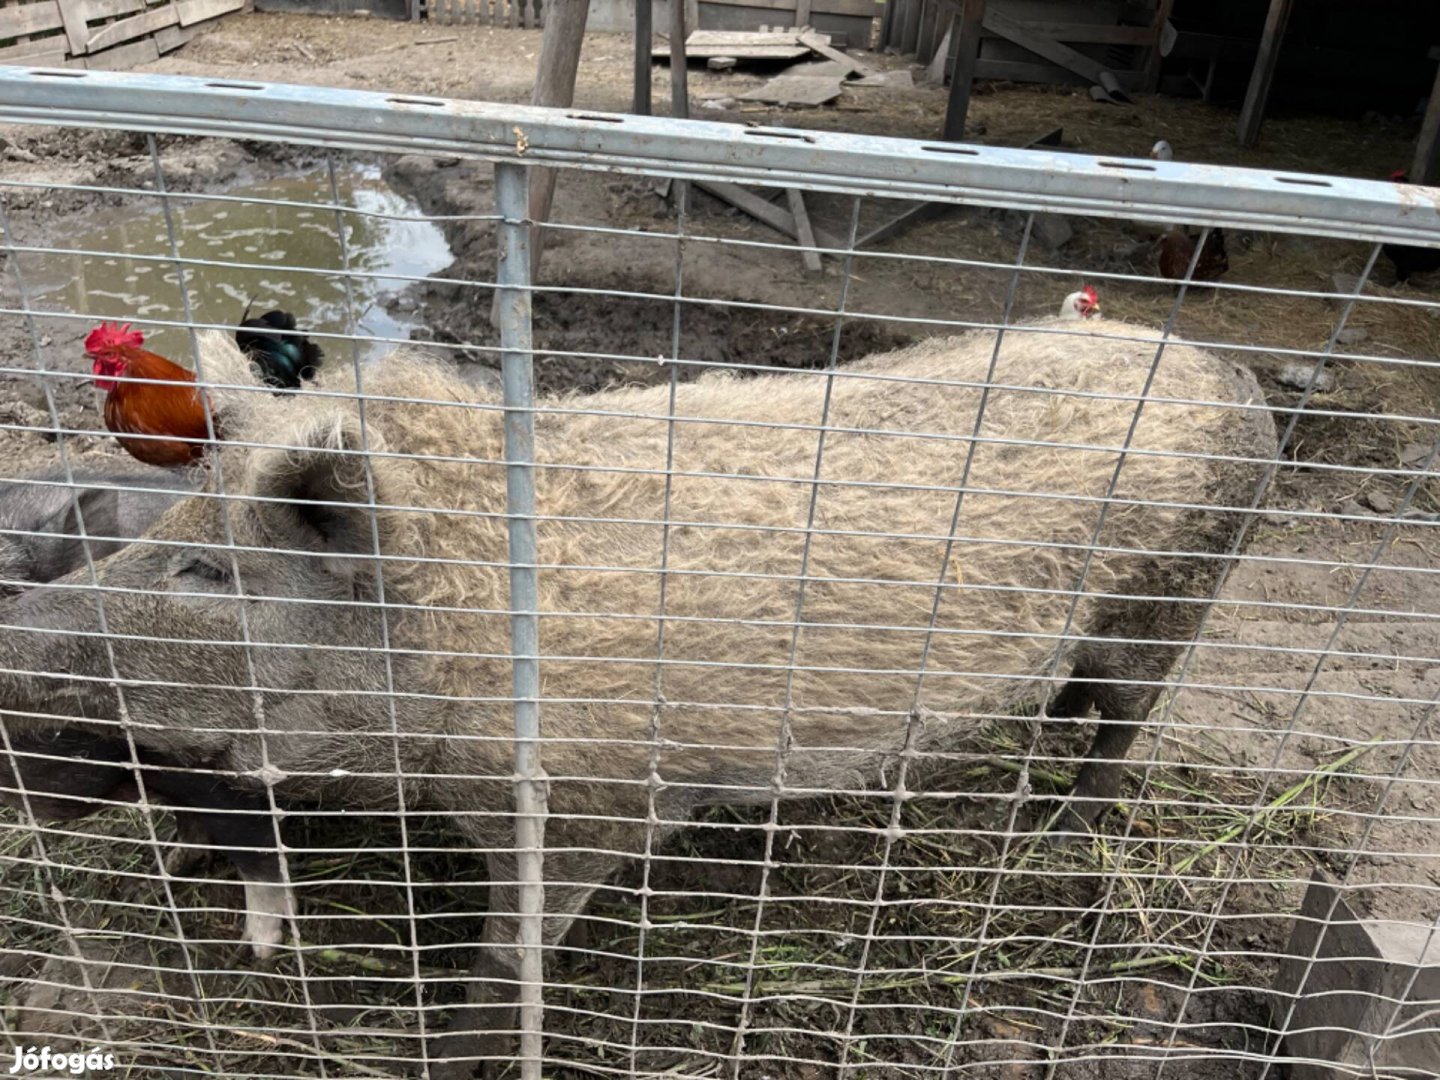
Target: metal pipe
(1000, 177)
(512, 200)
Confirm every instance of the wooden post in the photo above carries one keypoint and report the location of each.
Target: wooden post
(1426, 167)
(1154, 58)
(1252, 114)
(802, 14)
(555, 73)
(967, 31)
(804, 234)
(911, 32)
(925, 43)
(679, 87)
(644, 33)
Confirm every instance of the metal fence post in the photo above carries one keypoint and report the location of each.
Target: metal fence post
(512, 199)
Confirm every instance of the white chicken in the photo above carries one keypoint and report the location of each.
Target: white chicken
(1080, 305)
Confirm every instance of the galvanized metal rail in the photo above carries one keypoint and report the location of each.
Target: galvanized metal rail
(1038, 180)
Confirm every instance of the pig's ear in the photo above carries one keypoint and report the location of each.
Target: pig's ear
(315, 494)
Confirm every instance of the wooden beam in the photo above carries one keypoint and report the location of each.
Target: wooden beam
(910, 33)
(863, 9)
(805, 235)
(1154, 56)
(1425, 169)
(967, 30)
(802, 14)
(822, 46)
(679, 77)
(136, 26)
(644, 33)
(1083, 33)
(125, 57)
(29, 19)
(936, 71)
(1252, 114)
(555, 71)
(781, 221)
(1042, 46)
(194, 11)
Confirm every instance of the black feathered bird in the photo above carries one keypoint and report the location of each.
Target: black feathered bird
(284, 360)
(1410, 260)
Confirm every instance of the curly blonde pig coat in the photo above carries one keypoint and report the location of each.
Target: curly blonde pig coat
(1034, 582)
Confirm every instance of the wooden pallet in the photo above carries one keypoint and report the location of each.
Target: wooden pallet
(106, 34)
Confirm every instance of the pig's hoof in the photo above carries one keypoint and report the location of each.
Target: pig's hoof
(268, 907)
(264, 933)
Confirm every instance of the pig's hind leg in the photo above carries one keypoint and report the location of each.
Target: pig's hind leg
(213, 814)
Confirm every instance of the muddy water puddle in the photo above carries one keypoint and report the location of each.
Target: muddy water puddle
(259, 242)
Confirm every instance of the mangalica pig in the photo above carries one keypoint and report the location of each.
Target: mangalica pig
(40, 528)
(947, 580)
(74, 772)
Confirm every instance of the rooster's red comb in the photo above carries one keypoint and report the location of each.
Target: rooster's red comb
(109, 336)
(1399, 176)
(1090, 294)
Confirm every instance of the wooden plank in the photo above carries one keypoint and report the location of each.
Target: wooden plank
(644, 27)
(20, 20)
(47, 52)
(124, 57)
(936, 71)
(194, 11)
(780, 220)
(967, 32)
(787, 89)
(1252, 113)
(679, 74)
(820, 44)
(72, 16)
(1087, 33)
(103, 37)
(910, 27)
(1425, 169)
(1048, 48)
(925, 44)
(781, 44)
(172, 37)
(1155, 55)
(802, 13)
(106, 9)
(863, 9)
(741, 38)
(806, 235)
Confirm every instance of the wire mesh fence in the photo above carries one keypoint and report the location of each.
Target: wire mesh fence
(670, 659)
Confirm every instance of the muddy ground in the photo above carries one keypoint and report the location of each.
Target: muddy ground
(1116, 950)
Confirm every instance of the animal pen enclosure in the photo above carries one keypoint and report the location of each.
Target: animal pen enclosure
(703, 590)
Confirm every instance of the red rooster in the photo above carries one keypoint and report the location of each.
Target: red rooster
(174, 410)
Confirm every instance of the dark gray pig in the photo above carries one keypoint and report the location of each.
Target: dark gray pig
(77, 771)
(40, 532)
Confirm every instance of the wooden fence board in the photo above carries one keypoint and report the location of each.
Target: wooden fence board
(22, 19)
(147, 22)
(47, 52)
(194, 11)
(172, 37)
(124, 57)
(864, 9)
